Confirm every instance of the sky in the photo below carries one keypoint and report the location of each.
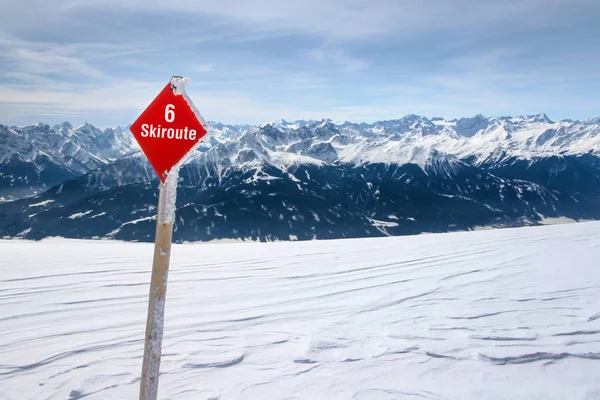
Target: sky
(103, 61)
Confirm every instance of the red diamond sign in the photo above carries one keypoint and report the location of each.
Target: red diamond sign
(167, 130)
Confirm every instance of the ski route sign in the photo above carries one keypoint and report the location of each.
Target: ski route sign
(168, 129)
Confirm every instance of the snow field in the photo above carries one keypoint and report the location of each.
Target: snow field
(497, 314)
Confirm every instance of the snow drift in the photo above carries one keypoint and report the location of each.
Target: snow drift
(500, 314)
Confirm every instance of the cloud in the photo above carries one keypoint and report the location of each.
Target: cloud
(268, 59)
(337, 57)
(202, 68)
(128, 99)
(359, 19)
(39, 62)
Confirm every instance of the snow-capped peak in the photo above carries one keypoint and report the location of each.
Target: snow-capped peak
(411, 139)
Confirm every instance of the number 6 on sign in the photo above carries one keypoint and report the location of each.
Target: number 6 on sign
(170, 113)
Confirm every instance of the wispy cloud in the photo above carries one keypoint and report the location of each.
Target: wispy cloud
(38, 61)
(359, 19)
(268, 59)
(203, 68)
(338, 58)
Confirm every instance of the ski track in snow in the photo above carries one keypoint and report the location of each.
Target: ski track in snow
(504, 314)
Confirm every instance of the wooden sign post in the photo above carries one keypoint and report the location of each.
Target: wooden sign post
(158, 292)
(168, 130)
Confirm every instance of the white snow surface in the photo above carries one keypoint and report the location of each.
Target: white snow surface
(501, 314)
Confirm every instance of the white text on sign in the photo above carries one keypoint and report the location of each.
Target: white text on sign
(151, 131)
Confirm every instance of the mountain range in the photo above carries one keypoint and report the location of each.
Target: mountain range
(305, 179)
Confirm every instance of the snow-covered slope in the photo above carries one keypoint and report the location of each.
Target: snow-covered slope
(411, 139)
(36, 157)
(416, 139)
(508, 314)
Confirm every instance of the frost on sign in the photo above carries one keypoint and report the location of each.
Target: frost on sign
(167, 130)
